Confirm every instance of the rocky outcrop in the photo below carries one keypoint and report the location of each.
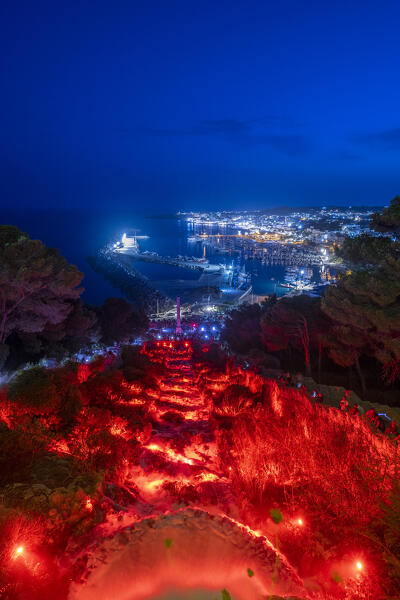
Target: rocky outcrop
(185, 551)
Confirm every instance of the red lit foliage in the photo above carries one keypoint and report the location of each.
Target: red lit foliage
(161, 427)
(328, 465)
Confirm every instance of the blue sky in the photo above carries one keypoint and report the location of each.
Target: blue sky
(173, 105)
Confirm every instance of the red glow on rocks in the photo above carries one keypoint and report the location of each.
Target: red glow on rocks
(154, 447)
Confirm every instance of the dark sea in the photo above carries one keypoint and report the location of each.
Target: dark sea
(78, 234)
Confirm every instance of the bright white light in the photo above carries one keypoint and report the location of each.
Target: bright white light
(359, 565)
(124, 238)
(18, 551)
(299, 521)
(202, 329)
(302, 272)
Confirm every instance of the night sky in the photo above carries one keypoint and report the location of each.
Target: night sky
(175, 105)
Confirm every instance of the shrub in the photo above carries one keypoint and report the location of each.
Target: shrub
(232, 401)
(33, 392)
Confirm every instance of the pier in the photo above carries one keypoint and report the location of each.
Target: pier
(185, 262)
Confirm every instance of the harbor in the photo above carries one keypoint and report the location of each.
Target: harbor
(207, 285)
(218, 266)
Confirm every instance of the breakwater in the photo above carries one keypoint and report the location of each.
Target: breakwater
(128, 280)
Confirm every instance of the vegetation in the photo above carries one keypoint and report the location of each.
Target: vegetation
(119, 321)
(242, 330)
(178, 424)
(37, 285)
(365, 304)
(388, 221)
(294, 322)
(357, 323)
(41, 313)
(86, 449)
(324, 467)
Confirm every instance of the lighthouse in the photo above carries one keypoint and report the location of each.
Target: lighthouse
(178, 317)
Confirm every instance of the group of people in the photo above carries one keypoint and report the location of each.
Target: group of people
(390, 430)
(373, 417)
(345, 405)
(289, 380)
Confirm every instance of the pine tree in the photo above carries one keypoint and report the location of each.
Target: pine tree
(388, 220)
(37, 285)
(365, 305)
(293, 322)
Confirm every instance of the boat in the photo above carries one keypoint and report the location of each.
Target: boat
(287, 285)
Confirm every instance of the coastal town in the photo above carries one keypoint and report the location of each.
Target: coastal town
(326, 224)
(244, 246)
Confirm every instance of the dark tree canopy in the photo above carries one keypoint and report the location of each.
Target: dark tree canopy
(294, 321)
(120, 321)
(389, 219)
(242, 330)
(365, 306)
(37, 285)
(368, 250)
(365, 303)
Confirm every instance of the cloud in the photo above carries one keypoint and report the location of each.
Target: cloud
(244, 132)
(278, 121)
(226, 127)
(346, 155)
(292, 145)
(388, 139)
